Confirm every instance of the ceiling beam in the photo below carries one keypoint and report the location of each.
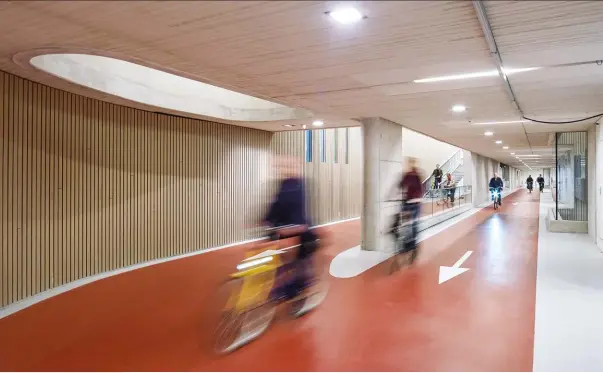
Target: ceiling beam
(478, 5)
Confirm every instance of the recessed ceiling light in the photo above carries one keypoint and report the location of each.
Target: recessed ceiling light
(304, 126)
(488, 133)
(499, 122)
(499, 141)
(318, 123)
(289, 125)
(346, 15)
(505, 147)
(481, 74)
(459, 108)
(512, 153)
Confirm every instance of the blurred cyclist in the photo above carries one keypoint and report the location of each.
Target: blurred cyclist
(530, 183)
(411, 186)
(289, 209)
(496, 183)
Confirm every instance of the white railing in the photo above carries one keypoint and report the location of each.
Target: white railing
(451, 165)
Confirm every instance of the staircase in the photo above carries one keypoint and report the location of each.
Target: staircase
(452, 166)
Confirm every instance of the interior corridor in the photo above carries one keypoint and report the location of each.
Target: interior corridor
(152, 318)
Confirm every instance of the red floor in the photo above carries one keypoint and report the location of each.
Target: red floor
(152, 319)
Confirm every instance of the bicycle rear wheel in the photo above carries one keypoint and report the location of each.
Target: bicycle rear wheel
(315, 292)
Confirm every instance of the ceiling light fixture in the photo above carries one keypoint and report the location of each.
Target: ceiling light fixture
(488, 133)
(318, 123)
(481, 74)
(304, 126)
(500, 122)
(512, 153)
(505, 147)
(346, 16)
(289, 125)
(499, 142)
(459, 108)
(528, 155)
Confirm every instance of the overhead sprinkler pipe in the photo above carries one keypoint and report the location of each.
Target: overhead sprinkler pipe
(478, 5)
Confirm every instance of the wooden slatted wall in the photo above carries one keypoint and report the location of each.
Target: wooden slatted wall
(88, 186)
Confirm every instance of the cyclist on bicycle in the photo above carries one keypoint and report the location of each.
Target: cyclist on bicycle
(530, 183)
(540, 181)
(411, 187)
(496, 183)
(288, 210)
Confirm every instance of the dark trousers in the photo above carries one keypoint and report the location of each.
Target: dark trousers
(415, 211)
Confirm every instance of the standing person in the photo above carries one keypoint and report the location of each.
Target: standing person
(497, 184)
(437, 175)
(450, 186)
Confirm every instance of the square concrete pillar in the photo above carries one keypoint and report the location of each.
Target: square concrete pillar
(382, 168)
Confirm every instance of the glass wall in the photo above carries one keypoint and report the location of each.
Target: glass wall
(570, 187)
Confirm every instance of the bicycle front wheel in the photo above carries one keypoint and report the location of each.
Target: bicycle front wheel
(238, 326)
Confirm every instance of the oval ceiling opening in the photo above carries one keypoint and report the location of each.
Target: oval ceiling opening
(161, 89)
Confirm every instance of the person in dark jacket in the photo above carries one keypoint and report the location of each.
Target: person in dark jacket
(530, 183)
(289, 209)
(497, 184)
(540, 181)
(437, 175)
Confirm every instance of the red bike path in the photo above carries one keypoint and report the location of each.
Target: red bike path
(151, 319)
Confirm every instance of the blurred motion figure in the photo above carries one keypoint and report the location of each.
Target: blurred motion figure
(288, 211)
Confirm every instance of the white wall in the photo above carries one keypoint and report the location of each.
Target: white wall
(427, 150)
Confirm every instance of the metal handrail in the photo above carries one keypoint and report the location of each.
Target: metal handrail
(447, 167)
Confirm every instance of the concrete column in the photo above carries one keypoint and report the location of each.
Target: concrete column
(382, 167)
(469, 173)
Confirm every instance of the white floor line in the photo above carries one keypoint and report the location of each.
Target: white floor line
(28, 302)
(569, 301)
(354, 261)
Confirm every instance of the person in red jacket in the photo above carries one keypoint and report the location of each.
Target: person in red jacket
(411, 186)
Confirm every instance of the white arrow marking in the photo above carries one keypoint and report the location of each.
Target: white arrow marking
(446, 273)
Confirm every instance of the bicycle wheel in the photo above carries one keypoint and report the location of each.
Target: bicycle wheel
(238, 326)
(315, 290)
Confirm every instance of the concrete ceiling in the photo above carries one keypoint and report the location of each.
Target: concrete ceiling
(291, 53)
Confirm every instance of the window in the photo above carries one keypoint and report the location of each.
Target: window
(347, 146)
(336, 146)
(323, 146)
(308, 146)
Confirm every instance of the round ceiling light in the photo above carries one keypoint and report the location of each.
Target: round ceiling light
(346, 16)
(459, 108)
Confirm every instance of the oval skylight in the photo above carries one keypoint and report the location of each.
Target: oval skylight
(160, 89)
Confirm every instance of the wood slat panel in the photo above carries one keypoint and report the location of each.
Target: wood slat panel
(88, 186)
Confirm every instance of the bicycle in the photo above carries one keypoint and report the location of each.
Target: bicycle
(404, 231)
(496, 197)
(261, 283)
